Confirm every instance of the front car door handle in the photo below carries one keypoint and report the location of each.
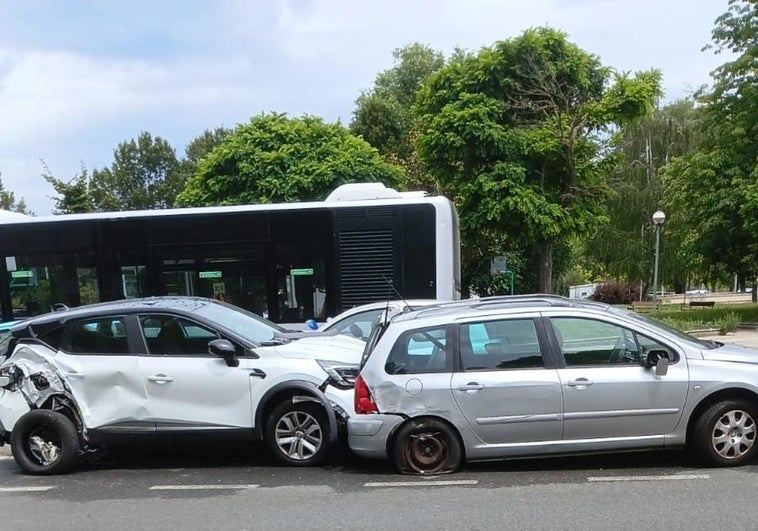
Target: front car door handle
(580, 382)
(160, 379)
(471, 386)
(257, 373)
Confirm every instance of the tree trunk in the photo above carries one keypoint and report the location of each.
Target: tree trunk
(754, 293)
(546, 268)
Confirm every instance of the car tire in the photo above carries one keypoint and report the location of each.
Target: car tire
(725, 434)
(298, 433)
(45, 442)
(426, 446)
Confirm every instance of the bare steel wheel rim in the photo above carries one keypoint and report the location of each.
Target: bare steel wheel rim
(734, 434)
(298, 435)
(427, 453)
(44, 446)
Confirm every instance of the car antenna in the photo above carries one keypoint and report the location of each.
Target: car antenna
(391, 288)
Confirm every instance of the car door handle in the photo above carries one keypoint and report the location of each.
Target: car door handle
(580, 382)
(257, 373)
(471, 387)
(74, 374)
(160, 379)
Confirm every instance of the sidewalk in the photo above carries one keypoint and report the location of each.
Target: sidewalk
(748, 338)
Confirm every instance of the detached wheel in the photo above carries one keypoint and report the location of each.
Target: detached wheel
(725, 433)
(45, 442)
(426, 446)
(298, 434)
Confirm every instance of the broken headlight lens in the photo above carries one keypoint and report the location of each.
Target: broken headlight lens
(9, 375)
(341, 376)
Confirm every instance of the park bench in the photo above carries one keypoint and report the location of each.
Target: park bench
(701, 304)
(641, 306)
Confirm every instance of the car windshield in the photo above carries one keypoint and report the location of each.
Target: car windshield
(691, 340)
(243, 322)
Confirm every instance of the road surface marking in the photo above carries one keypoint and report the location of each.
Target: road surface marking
(202, 487)
(672, 477)
(443, 483)
(25, 489)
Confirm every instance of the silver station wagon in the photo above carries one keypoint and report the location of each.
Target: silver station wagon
(537, 375)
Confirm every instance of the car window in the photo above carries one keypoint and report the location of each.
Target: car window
(498, 345)
(420, 351)
(170, 335)
(358, 325)
(53, 337)
(591, 342)
(103, 335)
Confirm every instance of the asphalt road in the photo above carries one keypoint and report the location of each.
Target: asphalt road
(236, 488)
(219, 488)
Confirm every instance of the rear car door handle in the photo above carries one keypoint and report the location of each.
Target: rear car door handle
(580, 382)
(160, 379)
(74, 374)
(471, 386)
(257, 373)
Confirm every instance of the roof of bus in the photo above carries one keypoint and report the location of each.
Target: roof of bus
(396, 198)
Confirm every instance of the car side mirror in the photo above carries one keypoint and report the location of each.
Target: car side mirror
(658, 359)
(356, 331)
(223, 348)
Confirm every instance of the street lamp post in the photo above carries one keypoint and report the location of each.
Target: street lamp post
(658, 219)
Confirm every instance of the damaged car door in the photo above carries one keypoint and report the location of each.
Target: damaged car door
(97, 361)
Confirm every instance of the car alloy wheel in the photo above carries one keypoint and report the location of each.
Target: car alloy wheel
(45, 442)
(298, 435)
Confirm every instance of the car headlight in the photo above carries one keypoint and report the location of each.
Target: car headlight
(341, 375)
(9, 375)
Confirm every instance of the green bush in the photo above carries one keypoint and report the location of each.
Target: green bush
(728, 323)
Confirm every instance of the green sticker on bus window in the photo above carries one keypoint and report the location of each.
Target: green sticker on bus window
(21, 274)
(210, 274)
(301, 272)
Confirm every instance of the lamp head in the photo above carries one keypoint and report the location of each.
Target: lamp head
(659, 217)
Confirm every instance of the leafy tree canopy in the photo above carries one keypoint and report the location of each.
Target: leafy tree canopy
(274, 158)
(515, 134)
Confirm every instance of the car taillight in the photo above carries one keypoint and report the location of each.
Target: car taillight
(364, 404)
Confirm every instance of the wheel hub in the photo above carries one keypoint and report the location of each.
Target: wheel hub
(733, 434)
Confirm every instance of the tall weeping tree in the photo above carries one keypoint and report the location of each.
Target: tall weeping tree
(516, 135)
(624, 246)
(715, 188)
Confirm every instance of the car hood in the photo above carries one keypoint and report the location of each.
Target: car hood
(736, 353)
(333, 348)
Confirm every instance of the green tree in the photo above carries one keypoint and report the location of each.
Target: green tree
(73, 195)
(515, 135)
(8, 201)
(382, 116)
(715, 189)
(623, 248)
(144, 175)
(199, 147)
(274, 158)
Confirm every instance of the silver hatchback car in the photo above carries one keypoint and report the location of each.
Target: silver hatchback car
(541, 375)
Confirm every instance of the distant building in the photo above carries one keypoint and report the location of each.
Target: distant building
(582, 291)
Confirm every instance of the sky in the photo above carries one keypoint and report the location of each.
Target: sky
(80, 76)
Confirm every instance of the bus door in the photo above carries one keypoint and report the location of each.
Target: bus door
(227, 272)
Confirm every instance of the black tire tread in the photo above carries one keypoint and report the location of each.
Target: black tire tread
(701, 433)
(425, 424)
(69, 454)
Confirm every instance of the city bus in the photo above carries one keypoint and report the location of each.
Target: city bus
(287, 262)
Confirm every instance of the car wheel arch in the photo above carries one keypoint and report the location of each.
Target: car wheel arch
(731, 393)
(392, 439)
(66, 406)
(294, 390)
